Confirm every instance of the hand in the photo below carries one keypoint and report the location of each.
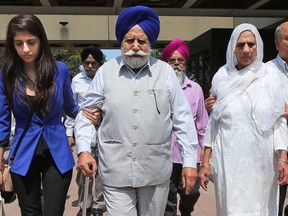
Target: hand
(209, 103)
(204, 176)
(286, 112)
(189, 177)
(71, 141)
(87, 163)
(282, 173)
(93, 115)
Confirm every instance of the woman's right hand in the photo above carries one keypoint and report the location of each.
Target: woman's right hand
(204, 176)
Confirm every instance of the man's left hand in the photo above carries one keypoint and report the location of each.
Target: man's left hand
(189, 177)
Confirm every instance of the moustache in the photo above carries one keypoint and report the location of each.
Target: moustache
(136, 53)
(178, 69)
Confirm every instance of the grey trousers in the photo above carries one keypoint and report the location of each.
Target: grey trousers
(142, 201)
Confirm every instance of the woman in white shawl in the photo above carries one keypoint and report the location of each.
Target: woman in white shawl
(246, 133)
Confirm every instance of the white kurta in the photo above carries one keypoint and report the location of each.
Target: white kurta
(244, 162)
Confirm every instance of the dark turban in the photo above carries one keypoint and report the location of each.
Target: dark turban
(176, 45)
(144, 16)
(94, 51)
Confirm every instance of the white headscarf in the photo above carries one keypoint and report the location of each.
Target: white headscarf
(229, 83)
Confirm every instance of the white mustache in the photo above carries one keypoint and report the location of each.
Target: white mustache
(139, 53)
(178, 69)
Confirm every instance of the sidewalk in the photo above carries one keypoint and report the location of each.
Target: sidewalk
(204, 207)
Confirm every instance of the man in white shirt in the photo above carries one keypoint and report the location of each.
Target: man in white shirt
(92, 59)
(279, 65)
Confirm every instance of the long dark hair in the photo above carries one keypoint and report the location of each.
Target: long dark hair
(14, 76)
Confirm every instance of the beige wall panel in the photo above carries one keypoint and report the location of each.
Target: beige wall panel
(79, 27)
(188, 28)
(111, 28)
(185, 28)
(4, 20)
(102, 27)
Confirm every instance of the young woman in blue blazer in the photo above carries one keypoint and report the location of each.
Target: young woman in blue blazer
(31, 79)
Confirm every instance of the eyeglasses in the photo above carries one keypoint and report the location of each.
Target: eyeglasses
(87, 63)
(173, 60)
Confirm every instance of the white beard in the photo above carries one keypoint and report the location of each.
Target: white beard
(180, 73)
(136, 62)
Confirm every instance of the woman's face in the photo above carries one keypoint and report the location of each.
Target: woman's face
(27, 47)
(246, 49)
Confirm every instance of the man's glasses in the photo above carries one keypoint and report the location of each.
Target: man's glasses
(173, 60)
(87, 63)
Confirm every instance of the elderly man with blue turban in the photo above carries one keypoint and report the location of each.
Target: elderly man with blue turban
(141, 102)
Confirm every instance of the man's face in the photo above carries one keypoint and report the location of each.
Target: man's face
(90, 66)
(246, 49)
(282, 44)
(178, 63)
(135, 48)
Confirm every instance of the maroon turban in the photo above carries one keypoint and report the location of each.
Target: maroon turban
(176, 45)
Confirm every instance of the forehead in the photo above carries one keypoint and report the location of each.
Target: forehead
(136, 31)
(90, 58)
(284, 28)
(176, 54)
(20, 35)
(246, 36)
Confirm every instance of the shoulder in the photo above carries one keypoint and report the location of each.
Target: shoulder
(62, 68)
(220, 74)
(78, 76)
(159, 66)
(63, 71)
(272, 63)
(195, 87)
(112, 63)
(61, 65)
(192, 83)
(158, 62)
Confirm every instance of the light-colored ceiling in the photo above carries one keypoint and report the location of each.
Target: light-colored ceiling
(229, 8)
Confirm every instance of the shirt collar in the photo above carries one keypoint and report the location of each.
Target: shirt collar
(282, 64)
(84, 74)
(186, 83)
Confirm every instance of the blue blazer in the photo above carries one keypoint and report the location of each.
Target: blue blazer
(50, 127)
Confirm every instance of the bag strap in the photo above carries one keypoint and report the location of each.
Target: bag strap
(21, 137)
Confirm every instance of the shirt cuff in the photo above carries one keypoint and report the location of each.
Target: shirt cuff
(69, 131)
(83, 148)
(189, 162)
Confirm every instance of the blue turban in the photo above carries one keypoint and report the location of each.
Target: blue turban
(144, 16)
